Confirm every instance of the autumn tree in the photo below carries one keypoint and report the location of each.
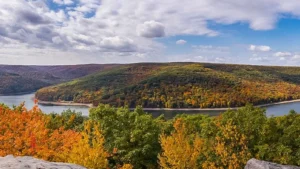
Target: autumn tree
(230, 148)
(126, 166)
(89, 151)
(24, 133)
(179, 150)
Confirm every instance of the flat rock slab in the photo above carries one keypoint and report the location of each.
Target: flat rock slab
(11, 162)
(258, 164)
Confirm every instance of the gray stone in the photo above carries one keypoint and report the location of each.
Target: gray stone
(258, 164)
(11, 162)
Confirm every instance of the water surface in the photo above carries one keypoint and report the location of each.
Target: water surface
(29, 103)
(276, 110)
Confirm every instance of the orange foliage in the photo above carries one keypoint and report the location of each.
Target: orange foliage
(24, 133)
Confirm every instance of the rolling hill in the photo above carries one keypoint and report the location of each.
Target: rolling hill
(180, 85)
(15, 79)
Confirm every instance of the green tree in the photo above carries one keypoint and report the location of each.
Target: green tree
(131, 137)
(250, 121)
(234, 135)
(68, 119)
(281, 140)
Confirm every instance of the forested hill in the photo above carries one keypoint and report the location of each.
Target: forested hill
(180, 85)
(16, 79)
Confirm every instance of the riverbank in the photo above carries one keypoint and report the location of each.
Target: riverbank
(65, 103)
(279, 103)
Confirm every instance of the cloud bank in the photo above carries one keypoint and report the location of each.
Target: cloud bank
(114, 29)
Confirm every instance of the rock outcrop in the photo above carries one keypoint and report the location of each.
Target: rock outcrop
(257, 164)
(11, 162)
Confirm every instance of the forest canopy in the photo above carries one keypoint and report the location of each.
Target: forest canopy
(180, 85)
(120, 138)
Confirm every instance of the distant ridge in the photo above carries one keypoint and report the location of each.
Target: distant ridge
(180, 85)
(16, 79)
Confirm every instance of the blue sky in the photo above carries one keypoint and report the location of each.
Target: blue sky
(263, 32)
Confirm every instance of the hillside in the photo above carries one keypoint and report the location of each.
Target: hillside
(180, 85)
(15, 79)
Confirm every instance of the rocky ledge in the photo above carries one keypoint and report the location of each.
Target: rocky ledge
(258, 164)
(11, 162)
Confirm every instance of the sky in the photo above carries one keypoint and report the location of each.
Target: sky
(57, 32)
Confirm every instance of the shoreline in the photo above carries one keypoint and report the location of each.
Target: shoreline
(278, 103)
(65, 103)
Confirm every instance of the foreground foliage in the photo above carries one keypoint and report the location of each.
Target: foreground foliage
(180, 150)
(89, 151)
(125, 139)
(24, 132)
(130, 136)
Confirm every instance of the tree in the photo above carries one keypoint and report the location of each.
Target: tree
(126, 166)
(68, 119)
(250, 122)
(281, 140)
(89, 151)
(233, 138)
(130, 137)
(24, 133)
(179, 150)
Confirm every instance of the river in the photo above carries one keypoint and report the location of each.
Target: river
(276, 110)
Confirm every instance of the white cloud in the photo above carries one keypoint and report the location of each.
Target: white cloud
(260, 48)
(282, 58)
(63, 2)
(211, 49)
(181, 42)
(58, 16)
(57, 40)
(151, 29)
(127, 28)
(220, 59)
(118, 44)
(296, 56)
(282, 54)
(259, 58)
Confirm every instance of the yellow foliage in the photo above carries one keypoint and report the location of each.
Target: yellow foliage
(180, 151)
(126, 166)
(230, 147)
(89, 151)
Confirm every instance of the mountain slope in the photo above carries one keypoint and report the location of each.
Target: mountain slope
(16, 79)
(180, 85)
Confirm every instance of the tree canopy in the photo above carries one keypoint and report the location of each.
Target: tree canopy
(121, 138)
